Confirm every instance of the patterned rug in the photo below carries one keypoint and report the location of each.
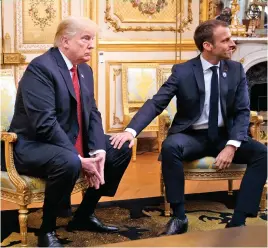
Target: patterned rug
(135, 220)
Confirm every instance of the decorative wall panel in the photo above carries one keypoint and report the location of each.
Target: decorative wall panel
(37, 21)
(114, 106)
(145, 11)
(127, 15)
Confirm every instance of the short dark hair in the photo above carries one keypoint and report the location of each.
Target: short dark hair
(204, 32)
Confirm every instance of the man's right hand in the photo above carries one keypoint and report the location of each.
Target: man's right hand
(93, 176)
(118, 140)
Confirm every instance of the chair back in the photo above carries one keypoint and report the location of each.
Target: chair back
(139, 83)
(8, 97)
(172, 107)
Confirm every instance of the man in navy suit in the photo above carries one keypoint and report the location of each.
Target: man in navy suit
(60, 130)
(212, 119)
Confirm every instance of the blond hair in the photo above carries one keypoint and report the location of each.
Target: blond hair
(71, 26)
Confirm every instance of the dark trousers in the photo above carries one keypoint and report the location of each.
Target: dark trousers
(194, 144)
(61, 168)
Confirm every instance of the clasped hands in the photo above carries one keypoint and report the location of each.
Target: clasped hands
(93, 169)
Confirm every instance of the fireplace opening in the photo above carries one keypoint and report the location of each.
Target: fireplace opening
(258, 97)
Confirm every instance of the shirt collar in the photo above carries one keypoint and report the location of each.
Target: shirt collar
(67, 61)
(205, 64)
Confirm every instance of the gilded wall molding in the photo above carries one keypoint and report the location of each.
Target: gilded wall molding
(203, 10)
(116, 73)
(108, 111)
(211, 9)
(13, 58)
(115, 23)
(145, 46)
(91, 10)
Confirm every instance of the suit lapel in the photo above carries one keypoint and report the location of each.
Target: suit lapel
(223, 81)
(199, 77)
(64, 71)
(67, 78)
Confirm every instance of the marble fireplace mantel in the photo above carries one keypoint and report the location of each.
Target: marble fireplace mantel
(241, 40)
(250, 51)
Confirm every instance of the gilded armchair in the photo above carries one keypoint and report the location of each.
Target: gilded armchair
(20, 189)
(139, 83)
(204, 170)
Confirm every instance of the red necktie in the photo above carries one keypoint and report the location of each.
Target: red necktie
(79, 140)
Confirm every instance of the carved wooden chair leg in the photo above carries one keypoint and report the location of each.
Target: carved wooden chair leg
(134, 150)
(230, 187)
(160, 140)
(23, 220)
(167, 207)
(263, 204)
(163, 192)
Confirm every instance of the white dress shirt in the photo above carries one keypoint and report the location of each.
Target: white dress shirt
(202, 122)
(70, 66)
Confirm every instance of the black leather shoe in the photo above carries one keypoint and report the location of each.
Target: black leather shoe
(230, 224)
(92, 223)
(175, 226)
(48, 240)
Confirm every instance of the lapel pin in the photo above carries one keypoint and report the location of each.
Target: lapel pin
(82, 75)
(224, 74)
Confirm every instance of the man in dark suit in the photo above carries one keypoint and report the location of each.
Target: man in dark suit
(60, 130)
(212, 119)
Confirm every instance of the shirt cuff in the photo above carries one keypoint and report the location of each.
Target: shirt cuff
(235, 143)
(132, 131)
(92, 153)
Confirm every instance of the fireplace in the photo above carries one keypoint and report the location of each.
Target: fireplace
(257, 86)
(252, 53)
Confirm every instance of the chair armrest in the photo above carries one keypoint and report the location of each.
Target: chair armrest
(256, 121)
(9, 139)
(164, 124)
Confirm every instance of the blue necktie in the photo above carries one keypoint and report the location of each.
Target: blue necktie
(213, 109)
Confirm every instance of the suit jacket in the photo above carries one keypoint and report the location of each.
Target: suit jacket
(46, 107)
(187, 84)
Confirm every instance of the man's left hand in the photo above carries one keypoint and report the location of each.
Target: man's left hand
(100, 163)
(225, 157)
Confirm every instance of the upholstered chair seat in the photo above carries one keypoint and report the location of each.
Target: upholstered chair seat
(206, 164)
